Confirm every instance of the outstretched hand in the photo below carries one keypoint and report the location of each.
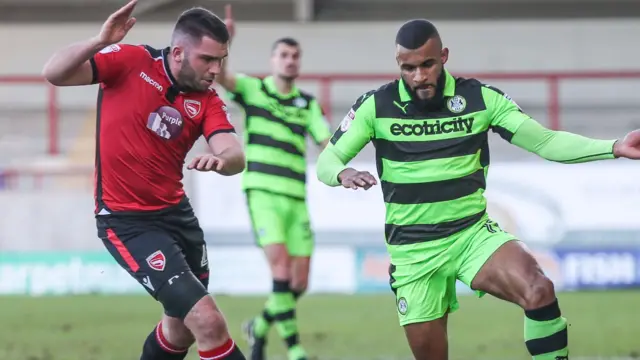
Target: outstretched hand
(629, 147)
(118, 25)
(228, 20)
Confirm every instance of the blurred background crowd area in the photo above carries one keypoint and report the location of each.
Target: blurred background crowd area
(570, 64)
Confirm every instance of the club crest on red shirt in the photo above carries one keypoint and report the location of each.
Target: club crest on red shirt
(157, 261)
(192, 107)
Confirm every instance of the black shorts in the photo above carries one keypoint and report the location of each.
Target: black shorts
(164, 251)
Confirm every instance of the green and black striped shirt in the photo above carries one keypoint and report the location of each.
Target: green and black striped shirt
(433, 165)
(275, 132)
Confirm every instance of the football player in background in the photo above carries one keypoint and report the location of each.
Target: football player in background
(278, 118)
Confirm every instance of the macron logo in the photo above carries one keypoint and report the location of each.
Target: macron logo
(149, 80)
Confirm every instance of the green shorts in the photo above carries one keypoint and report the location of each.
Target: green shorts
(280, 219)
(426, 290)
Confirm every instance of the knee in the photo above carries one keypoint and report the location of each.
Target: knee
(298, 291)
(540, 292)
(206, 321)
(300, 274)
(176, 332)
(211, 325)
(299, 284)
(279, 262)
(280, 268)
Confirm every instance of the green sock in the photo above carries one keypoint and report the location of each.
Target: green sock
(282, 306)
(545, 333)
(262, 323)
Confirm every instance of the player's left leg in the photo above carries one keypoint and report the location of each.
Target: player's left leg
(171, 339)
(300, 245)
(269, 214)
(496, 264)
(425, 296)
(298, 242)
(153, 257)
(300, 271)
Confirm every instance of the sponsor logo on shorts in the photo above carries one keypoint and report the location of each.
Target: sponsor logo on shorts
(157, 261)
(492, 226)
(174, 278)
(306, 227)
(146, 281)
(402, 306)
(205, 259)
(432, 127)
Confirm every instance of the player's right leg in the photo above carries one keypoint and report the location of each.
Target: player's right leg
(171, 334)
(425, 295)
(428, 339)
(154, 258)
(268, 217)
(496, 264)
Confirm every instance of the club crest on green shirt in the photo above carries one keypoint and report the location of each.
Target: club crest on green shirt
(456, 104)
(300, 102)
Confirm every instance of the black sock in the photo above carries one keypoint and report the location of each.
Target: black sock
(297, 293)
(283, 311)
(267, 317)
(156, 347)
(236, 354)
(228, 351)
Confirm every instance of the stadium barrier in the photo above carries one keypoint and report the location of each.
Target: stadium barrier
(242, 270)
(580, 221)
(553, 97)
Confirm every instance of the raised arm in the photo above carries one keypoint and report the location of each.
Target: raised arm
(226, 78)
(71, 65)
(318, 126)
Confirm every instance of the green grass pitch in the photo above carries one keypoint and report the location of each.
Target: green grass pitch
(603, 325)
